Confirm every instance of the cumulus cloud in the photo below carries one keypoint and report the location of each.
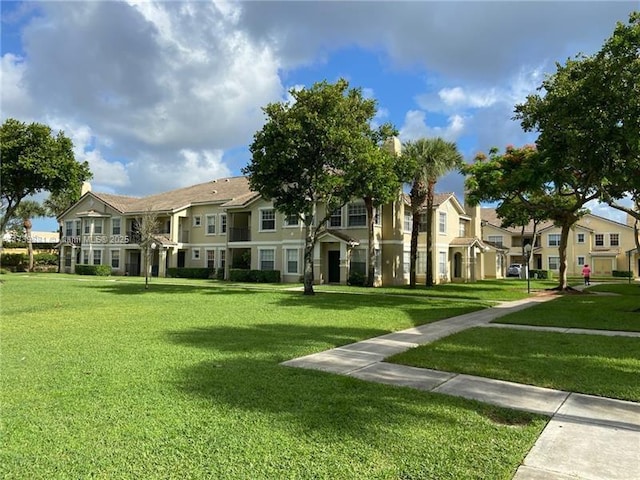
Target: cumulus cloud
(415, 126)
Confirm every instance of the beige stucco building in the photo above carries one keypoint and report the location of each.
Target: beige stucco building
(603, 244)
(222, 224)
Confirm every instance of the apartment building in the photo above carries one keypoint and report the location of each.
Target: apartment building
(222, 224)
(603, 244)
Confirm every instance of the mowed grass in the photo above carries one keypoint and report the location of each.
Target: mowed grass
(101, 379)
(592, 364)
(620, 310)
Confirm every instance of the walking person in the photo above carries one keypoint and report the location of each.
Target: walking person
(586, 273)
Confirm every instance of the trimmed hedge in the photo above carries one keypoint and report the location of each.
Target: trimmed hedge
(185, 272)
(45, 259)
(99, 270)
(356, 279)
(622, 274)
(13, 259)
(254, 276)
(541, 274)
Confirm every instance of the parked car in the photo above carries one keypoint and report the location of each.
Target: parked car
(514, 270)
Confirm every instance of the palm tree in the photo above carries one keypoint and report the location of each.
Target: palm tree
(432, 158)
(27, 210)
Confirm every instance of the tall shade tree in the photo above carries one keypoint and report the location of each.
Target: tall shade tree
(32, 160)
(431, 158)
(26, 211)
(147, 227)
(304, 154)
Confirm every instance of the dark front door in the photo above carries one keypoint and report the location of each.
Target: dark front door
(457, 265)
(334, 266)
(181, 254)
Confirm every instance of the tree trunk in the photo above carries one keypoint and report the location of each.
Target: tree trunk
(562, 252)
(27, 227)
(430, 188)
(309, 243)
(371, 257)
(415, 231)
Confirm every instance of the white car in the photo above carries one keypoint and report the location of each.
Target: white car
(514, 270)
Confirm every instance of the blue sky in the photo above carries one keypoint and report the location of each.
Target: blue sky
(158, 95)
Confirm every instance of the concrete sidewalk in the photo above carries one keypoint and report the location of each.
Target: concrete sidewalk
(587, 437)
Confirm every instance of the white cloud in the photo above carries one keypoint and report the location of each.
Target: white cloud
(15, 98)
(415, 126)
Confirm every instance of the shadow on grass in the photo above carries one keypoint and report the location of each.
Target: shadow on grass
(124, 288)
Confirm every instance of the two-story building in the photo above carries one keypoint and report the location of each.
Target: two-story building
(603, 244)
(222, 224)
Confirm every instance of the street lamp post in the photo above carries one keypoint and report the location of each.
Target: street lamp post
(527, 251)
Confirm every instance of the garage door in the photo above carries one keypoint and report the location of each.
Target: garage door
(601, 266)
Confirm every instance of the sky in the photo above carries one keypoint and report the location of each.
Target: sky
(158, 95)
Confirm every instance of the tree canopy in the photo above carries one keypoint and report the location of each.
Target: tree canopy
(32, 160)
(307, 152)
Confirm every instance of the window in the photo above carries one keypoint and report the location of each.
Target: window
(358, 261)
(85, 257)
(442, 264)
(195, 254)
(87, 227)
(291, 220)
(267, 259)
(223, 223)
(462, 229)
(421, 262)
(581, 261)
(268, 221)
(223, 254)
(211, 259)
(406, 262)
(580, 238)
(495, 239)
(377, 215)
(423, 222)
(614, 239)
(442, 222)
(211, 224)
(115, 226)
(115, 258)
(67, 257)
(554, 239)
(68, 228)
(292, 257)
(197, 220)
(408, 221)
(97, 257)
(97, 227)
(357, 215)
(335, 220)
(78, 227)
(554, 263)
(599, 240)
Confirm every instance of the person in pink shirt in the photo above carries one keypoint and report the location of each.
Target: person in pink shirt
(586, 273)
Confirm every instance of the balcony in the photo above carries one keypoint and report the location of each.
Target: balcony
(240, 234)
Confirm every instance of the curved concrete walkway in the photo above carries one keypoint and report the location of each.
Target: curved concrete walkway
(588, 437)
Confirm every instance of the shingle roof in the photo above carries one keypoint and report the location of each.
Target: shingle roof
(490, 216)
(438, 198)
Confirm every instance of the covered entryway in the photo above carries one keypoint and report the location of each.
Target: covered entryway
(334, 266)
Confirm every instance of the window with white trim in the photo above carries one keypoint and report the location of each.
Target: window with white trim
(553, 240)
(223, 223)
(195, 254)
(85, 257)
(97, 227)
(115, 226)
(335, 220)
(223, 256)
(554, 263)
(291, 220)
(68, 228)
(67, 257)
(357, 215)
(211, 259)
(268, 220)
(599, 240)
(292, 256)
(495, 239)
(97, 257)
(377, 215)
(358, 261)
(211, 224)
(115, 258)
(78, 227)
(614, 239)
(406, 262)
(580, 238)
(423, 222)
(581, 261)
(267, 259)
(197, 220)
(462, 229)
(87, 227)
(442, 264)
(442, 222)
(421, 262)
(408, 221)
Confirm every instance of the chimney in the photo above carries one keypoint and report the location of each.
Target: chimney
(86, 187)
(393, 145)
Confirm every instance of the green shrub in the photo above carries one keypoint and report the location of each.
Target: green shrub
(356, 278)
(13, 259)
(99, 270)
(622, 273)
(254, 276)
(45, 259)
(541, 274)
(4, 271)
(189, 272)
(220, 274)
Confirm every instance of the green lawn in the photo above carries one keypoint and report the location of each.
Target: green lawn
(617, 312)
(102, 379)
(593, 364)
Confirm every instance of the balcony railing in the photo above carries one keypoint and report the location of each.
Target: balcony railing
(240, 234)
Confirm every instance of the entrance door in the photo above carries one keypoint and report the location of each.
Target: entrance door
(334, 266)
(181, 257)
(457, 265)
